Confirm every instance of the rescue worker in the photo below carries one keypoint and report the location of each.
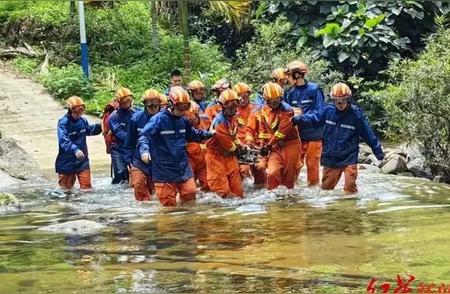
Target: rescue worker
(197, 151)
(140, 172)
(344, 124)
(245, 108)
(163, 142)
(119, 122)
(197, 91)
(176, 79)
(72, 161)
(214, 107)
(221, 150)
(280, 139)
(306, 97)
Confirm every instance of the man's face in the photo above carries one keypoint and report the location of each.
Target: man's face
(77, 112)
(152, 105)
(180, 109)
(274, 103)
(176, 81)
(245, 99)
(126, 102)
(340, 103)
(230, 108)
(282, 82)
(198, 94)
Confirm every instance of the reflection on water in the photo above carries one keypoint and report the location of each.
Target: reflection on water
(302, 240)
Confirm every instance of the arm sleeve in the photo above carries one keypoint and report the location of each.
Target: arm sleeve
(224, 138)
(144, 142)
(116, 128)
(314, 119)
(284, 127)
(132, 134)
(251, 128)
(94, 129)
(64, 140)
(193, 134)
(366, 133)
(319, 100)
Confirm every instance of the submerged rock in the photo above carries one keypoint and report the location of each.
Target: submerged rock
(8, 199)
(394, 164)
(76, 227)
(16, 162)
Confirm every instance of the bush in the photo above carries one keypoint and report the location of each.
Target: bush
(417, 102)
(269, 50)
(67, 81)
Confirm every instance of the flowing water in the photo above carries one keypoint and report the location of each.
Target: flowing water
(302, 240)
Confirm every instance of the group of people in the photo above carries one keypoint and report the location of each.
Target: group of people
(180, 141)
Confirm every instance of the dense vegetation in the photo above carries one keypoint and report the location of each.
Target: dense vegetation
(362, 42)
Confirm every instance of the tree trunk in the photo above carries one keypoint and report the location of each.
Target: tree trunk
(185, 32)
(154, 24)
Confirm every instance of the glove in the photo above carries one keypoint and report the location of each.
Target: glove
(79, 155)
(241, 150)
(146, 158)
(265, 150)
(210, 134)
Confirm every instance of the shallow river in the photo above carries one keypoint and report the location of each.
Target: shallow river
(302, 240)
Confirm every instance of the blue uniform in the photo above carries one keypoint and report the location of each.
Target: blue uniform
(71, 138)
(119, 123)
(260, 101)
(202, 104)
(137, 124)
(309, 97)
(341, 133)
(165, 137)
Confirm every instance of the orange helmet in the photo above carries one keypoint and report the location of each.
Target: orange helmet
(278, 74)
(296, 66)
(151, 94)
(122, 93)
(228, 95)
(272, 91)
(196, 85)
(74, 101)
(221, 85)
(241, 88)
(178, 95)
(340, 90)
(164, 101)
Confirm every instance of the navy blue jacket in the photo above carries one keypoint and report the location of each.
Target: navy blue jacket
(342, 130)
(119, 123)
(71, 138)
(309, 97)
(165, 137)
(137, 123)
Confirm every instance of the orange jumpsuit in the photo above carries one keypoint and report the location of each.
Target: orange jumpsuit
(197, 156)
(221, 161)
(242, 117)
(278, 131)
(212, 110)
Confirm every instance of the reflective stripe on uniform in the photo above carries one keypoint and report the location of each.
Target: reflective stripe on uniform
(347, 127)
(330, 122)
(279, 134)
(167, 132)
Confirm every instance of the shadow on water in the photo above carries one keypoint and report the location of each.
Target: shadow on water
(300, 240)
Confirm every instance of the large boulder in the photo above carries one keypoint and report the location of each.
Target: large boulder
(16, 162)
(394, 164)
(417, 167)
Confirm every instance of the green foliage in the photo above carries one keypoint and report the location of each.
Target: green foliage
(358, 37)
(26, 66)
(270, 49)
(67, 81)
(417, 102)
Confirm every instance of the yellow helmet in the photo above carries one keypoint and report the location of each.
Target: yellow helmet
(196, 85)
(151, 94)
(122, 93)
(220, 85)
(272, 91)
(340, 90)
(296, 66)
(228, 95)
(241, 88)
(74, 101)
(278, 74)
(164, 101)
(178, 95)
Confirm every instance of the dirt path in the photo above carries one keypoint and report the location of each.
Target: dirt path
(29, 115)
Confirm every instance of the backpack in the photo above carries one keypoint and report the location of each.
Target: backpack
(106, 131)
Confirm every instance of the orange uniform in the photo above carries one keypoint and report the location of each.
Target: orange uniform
(197, 158)
(278, 132)
(212, 110)
(221, 162)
